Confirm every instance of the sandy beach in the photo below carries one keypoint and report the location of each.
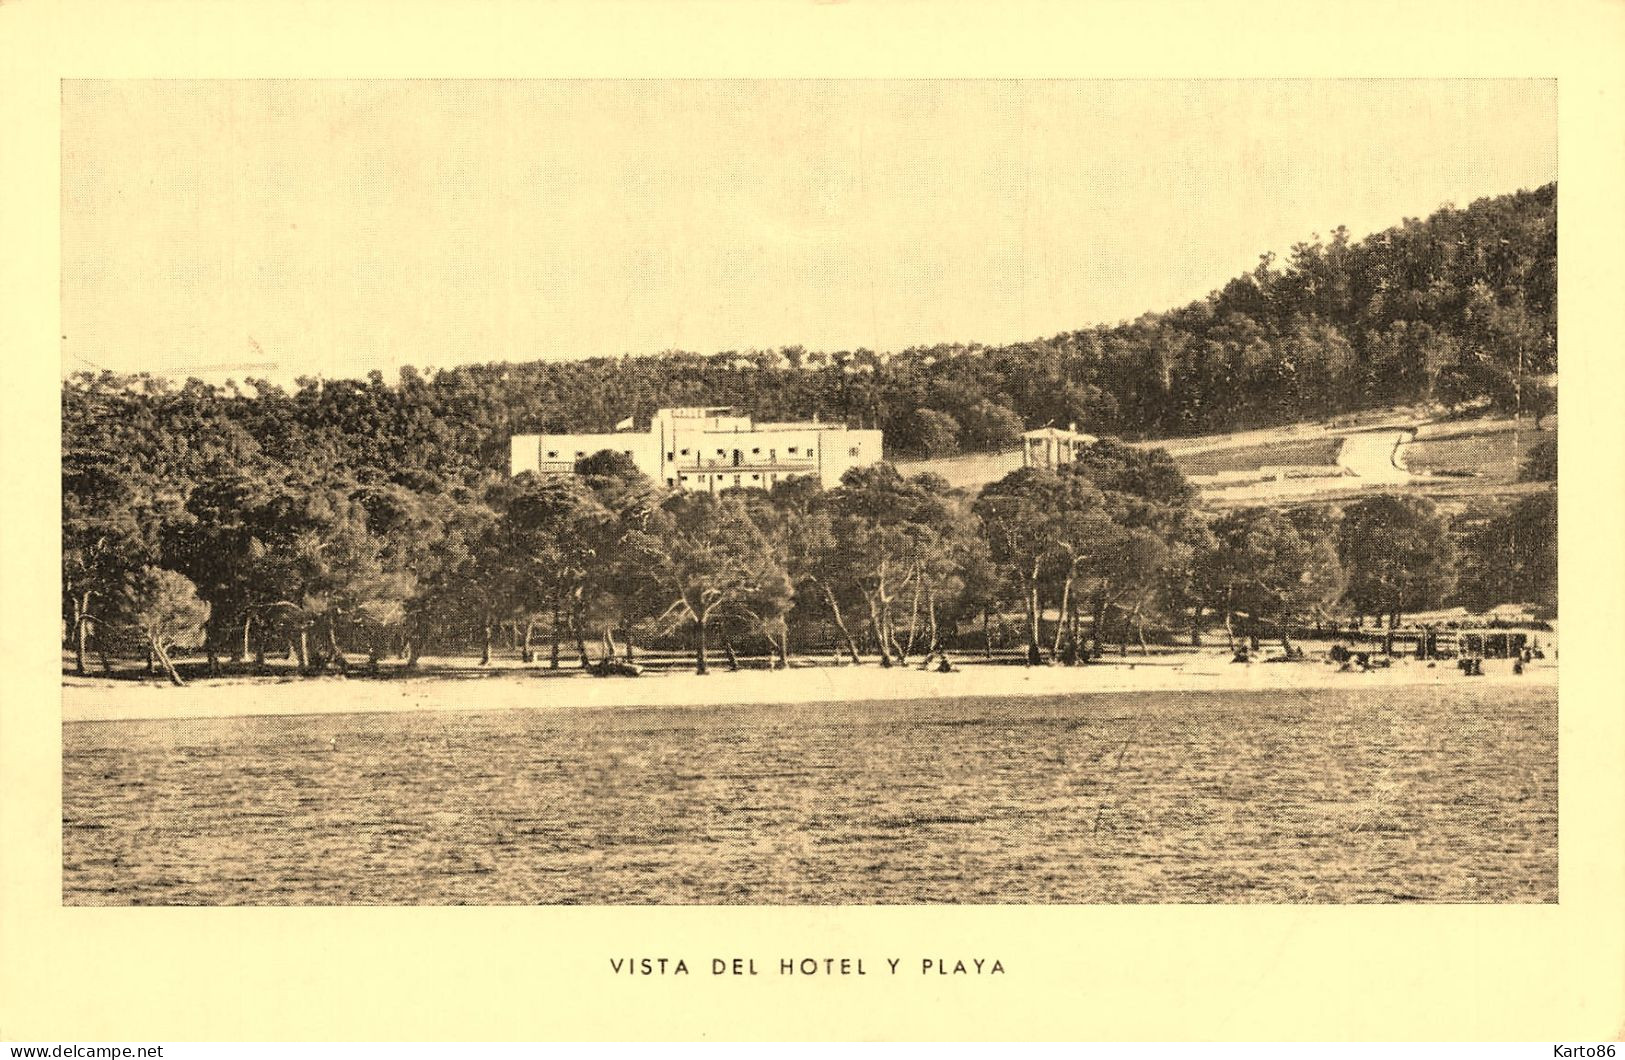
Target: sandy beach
(94, 699)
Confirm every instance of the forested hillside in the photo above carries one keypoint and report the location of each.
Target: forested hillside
(1459, 308)
(348, 513)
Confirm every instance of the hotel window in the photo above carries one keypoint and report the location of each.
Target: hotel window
(669, 456)
(792, 450)
(754, 478)
(852, 452)
(685, 452)
(722, 452)
(755, 452)
(579, 454)
(552, 454)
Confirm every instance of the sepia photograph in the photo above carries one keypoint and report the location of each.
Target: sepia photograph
(870, 492)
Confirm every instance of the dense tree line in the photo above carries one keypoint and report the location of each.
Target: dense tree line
(339, 570)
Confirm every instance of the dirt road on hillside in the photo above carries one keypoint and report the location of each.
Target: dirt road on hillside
(1377, 456)
(1373, 458)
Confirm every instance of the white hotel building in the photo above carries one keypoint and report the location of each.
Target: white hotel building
(709, 449)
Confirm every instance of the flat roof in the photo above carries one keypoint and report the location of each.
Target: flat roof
(1059, 432)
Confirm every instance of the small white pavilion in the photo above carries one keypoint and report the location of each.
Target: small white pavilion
(1052, 447)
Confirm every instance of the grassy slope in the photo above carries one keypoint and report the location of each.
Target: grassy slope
(1314, 452)
(1492, 450)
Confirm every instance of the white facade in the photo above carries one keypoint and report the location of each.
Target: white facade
(1051, 447)
(710, 449)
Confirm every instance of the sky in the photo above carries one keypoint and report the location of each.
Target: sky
(283, 228)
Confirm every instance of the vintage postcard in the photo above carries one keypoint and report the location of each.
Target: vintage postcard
(834, 552)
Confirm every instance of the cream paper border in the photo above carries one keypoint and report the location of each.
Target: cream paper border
(1542, 973)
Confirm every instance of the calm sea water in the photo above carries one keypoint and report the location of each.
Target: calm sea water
(1329, 796)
